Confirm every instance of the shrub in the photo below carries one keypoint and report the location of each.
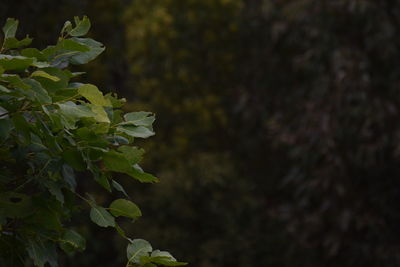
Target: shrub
(51, 128)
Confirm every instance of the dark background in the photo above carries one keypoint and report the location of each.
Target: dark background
(278, 126)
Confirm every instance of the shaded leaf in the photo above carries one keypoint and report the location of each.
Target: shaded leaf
(101, 217)
(40, 73)
(134, 131)
(93, 94)
(69, 175)
(16, 63)
(72, 241)
(141, 118)
(125, 208)
(81, 28)
(119, 187)
(12, 42)
(10, 28)
(96, 48)
(138, 248)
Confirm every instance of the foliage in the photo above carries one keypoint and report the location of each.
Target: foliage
(55, 131)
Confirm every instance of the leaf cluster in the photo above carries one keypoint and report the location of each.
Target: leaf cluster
(53, 128)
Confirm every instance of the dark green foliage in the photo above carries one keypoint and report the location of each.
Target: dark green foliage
(52, 129)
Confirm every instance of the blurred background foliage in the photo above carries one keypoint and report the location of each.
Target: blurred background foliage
(277, 125)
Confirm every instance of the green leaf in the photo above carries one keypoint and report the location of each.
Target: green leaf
(133, 154)
(93, 94)
(33, 52)
(100, 114)
(10, 28)
(72, 241)
(71, 113)
(116, 162)
(16, 63)
(136, 249)
(12, 42)
(69, 174)
(6, 126)
(15, 81)
(142, 176)
(82, 26)
(141, 118)
(37, 92)
(101, 217)
(41, 252)
(66, 28)
(54, 86)
(22, 126)
(120, 231)
(136, 131)
(40, 73)
(119, 188)
(125, 208)
(4, 89)
(69, 44)
(165, 258)
(103, 181)
(55, 189)
(96, 48)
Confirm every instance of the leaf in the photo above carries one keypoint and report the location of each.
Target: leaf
(15, 81)
(165, 258)
(40, 73)
(16, 63)
(100, 114)
(51, 85)
(10, 28)
(96, 48)
(115, 161)
(71, 109)
(141, 118)
(119, 187)
(120, 231)
(101, 217)
(22, 126)
(6, 126)
(69, 176)
(125, 208)
(13, 42)
(55, 190)
(41, 252)
(69, 44)
(136, 249)
(82, 26)
(37, 92)
(93, 94)
(66, 28)
(103, 181)
(142, 176)
(71, 113)
(33, 52)
(133, 154)
(134, 131)
(72, 241)
(4, 89)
